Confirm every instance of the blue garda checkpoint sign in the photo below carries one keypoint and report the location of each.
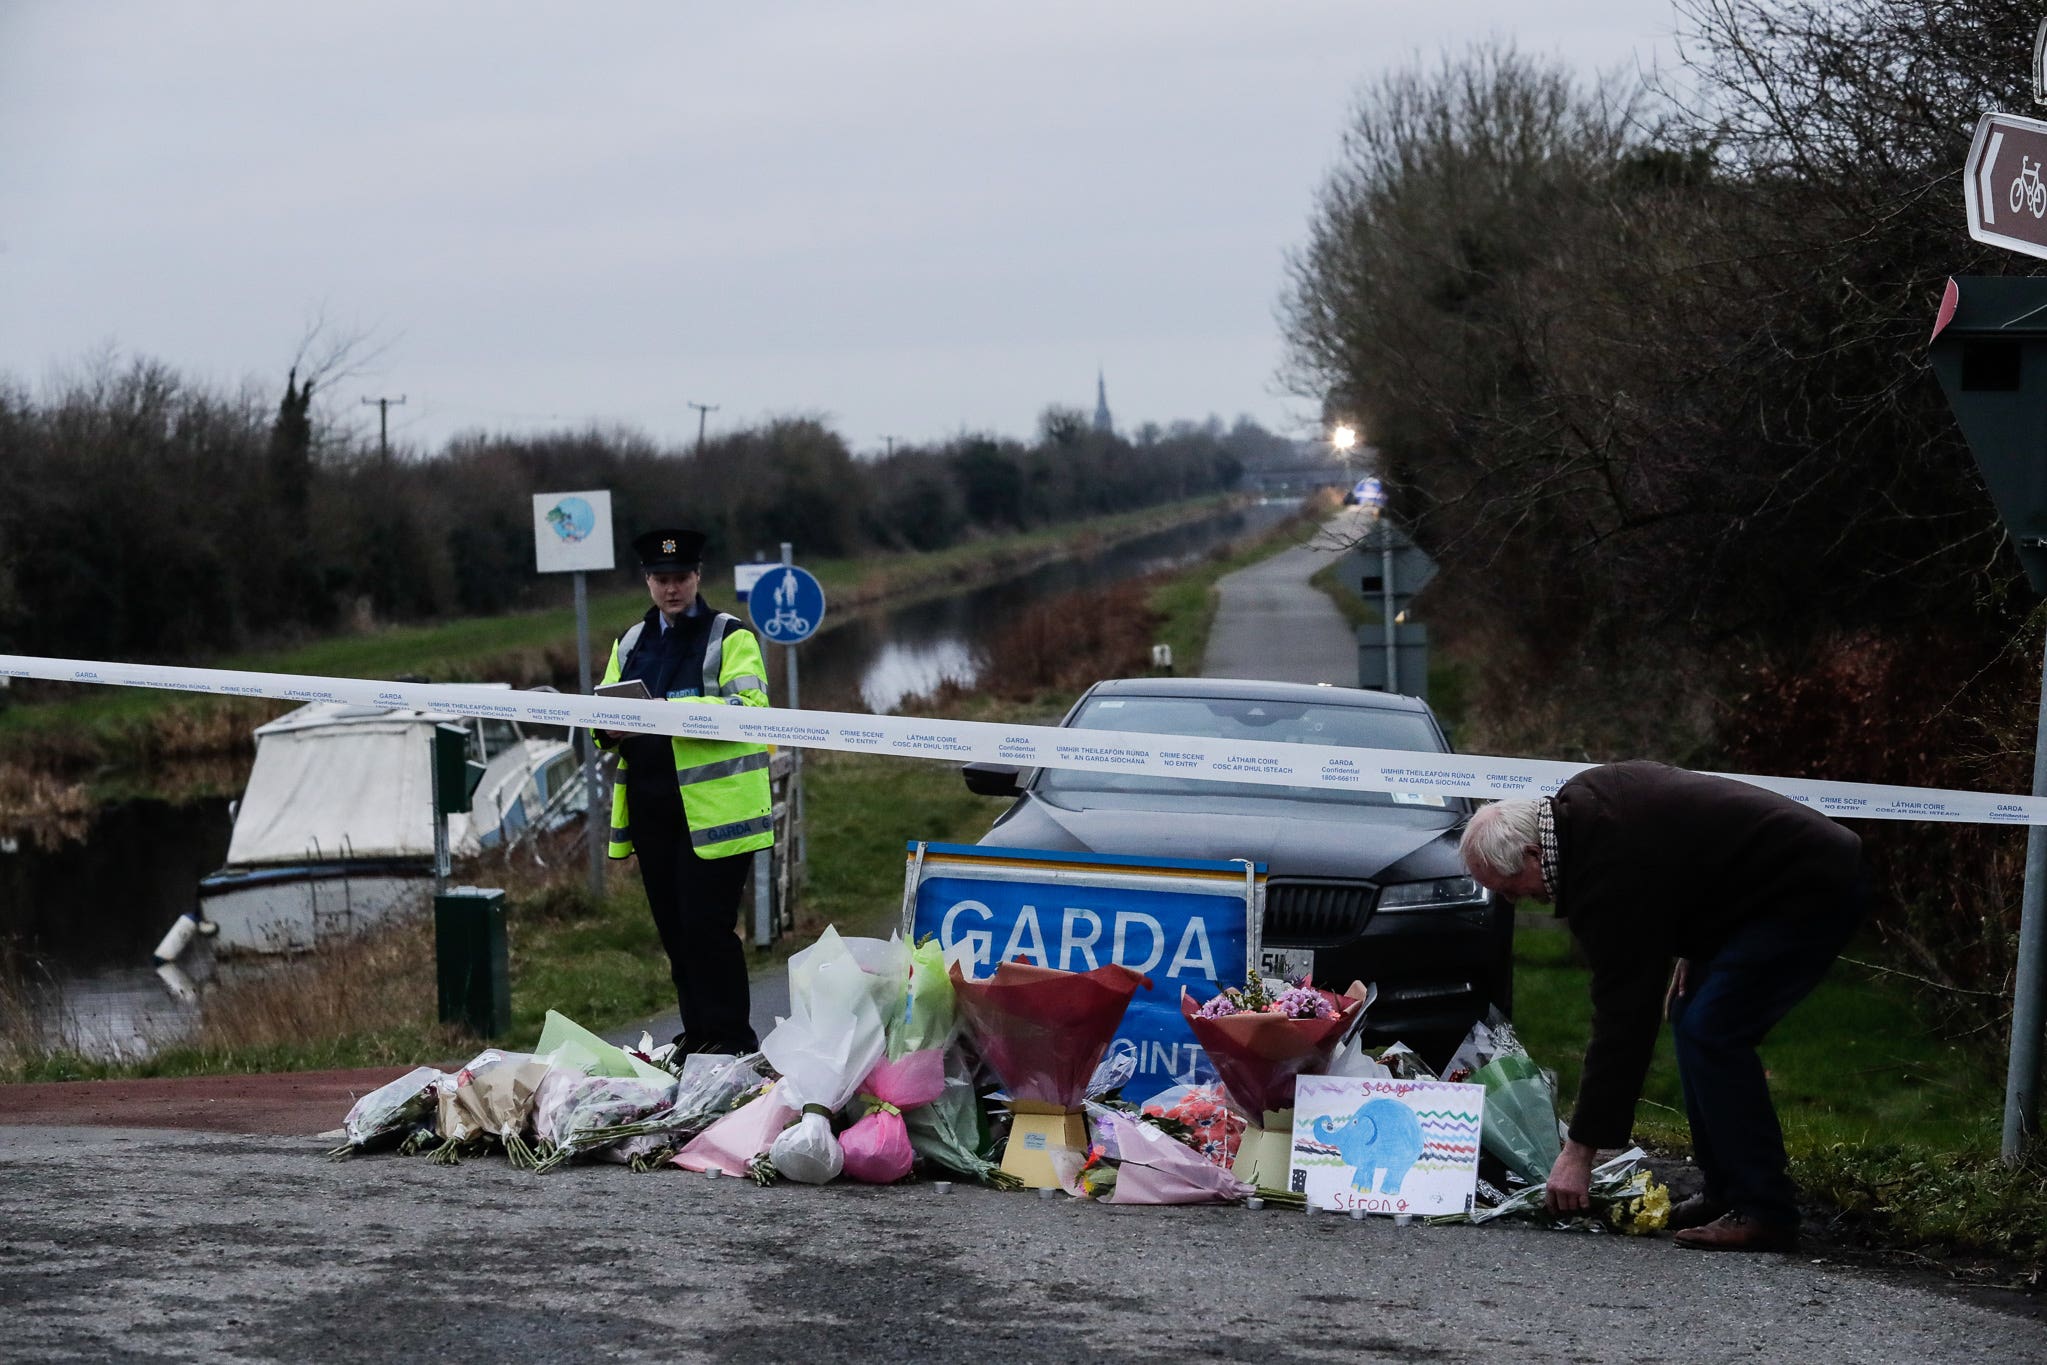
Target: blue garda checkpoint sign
(1182, 922)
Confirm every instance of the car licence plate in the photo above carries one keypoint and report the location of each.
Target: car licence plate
(1275, 963)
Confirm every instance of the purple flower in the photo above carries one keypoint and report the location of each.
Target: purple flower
(1302, 1003)
(1221, 1007)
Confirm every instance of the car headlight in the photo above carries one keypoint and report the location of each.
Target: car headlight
(1444, 893)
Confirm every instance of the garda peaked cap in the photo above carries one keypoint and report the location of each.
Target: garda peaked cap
(669, 550)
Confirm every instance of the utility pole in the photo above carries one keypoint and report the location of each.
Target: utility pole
(703, 411)
(383, 406)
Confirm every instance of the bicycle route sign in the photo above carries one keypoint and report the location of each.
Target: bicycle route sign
(2005, 183)
(786, 604)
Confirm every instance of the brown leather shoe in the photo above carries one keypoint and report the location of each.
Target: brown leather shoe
(1695, 1212)
(1739, 1232)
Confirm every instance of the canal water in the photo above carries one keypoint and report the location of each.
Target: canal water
(78, 919)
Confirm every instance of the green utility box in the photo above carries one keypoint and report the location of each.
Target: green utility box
(471, 961)
(455, 777)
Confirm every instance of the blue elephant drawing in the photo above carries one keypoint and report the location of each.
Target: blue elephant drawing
(1383, 1135)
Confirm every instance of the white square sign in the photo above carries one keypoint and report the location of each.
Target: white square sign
(1386, 1145)
(572, 531)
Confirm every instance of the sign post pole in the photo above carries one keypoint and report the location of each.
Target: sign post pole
(598, 833)
(1387, 612)
(796, 769)
(572, 534)
(2028, 1018)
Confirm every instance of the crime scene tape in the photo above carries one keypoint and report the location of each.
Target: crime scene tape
(1417, 778)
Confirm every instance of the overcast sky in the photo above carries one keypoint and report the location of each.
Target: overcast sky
(907, 216)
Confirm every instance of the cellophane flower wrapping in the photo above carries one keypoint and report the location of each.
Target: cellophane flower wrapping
(1520, 1125)
(710, 1087)
(731, 1143)
(1153, 1167)
(912, 1073)
(1258, 1055)
(951, 1131)
(1625, 1196)
(575, 1114)
(392, 1111)
(1043, 1031)
(568, 1043)
(877, 1147)
(493, 1097)
(1205, 1111)
(829, 1043)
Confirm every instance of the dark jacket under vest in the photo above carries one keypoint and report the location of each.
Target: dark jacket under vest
(1655, 863)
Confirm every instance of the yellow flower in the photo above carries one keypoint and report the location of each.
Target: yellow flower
(1642, 1206)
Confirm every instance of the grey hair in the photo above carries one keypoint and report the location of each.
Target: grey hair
(1497, 834)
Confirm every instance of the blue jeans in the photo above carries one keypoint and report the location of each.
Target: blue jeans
(1734, 999)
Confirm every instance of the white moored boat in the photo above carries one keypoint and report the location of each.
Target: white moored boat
(335, 830)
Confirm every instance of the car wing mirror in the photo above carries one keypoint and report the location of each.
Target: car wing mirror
(992, 779)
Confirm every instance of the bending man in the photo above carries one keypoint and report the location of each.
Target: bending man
(1752, 893)
(692, 809)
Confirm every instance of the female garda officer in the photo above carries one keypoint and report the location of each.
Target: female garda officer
(692, 809)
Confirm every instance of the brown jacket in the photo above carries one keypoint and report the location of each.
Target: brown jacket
(1654, 863)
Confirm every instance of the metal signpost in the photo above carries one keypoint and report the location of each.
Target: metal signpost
(787, 606)
(1388, 569)
(1989, 350)
(572, 534)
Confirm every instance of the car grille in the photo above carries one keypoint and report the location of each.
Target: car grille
(1316, 914)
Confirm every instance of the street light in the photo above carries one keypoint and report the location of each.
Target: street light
(1344, 437)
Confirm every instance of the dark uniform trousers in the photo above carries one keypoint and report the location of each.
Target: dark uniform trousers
(696, 909)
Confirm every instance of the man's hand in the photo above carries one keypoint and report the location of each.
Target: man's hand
(1680, 985)
(1570, 1179)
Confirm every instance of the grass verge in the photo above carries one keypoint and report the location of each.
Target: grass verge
(1887, 1122)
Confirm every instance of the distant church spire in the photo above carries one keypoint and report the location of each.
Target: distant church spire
(1102, 422)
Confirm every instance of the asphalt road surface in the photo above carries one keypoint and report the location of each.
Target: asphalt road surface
(1271, 624)
(123, 1245)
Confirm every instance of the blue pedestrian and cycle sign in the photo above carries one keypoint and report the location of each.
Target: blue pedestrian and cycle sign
(1180, 921)
(786, 604)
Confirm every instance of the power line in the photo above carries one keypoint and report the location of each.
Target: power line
(384, 406)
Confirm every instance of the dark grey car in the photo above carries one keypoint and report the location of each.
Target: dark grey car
(1368, 882)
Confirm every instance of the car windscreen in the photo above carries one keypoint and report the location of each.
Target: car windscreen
(1280, 722)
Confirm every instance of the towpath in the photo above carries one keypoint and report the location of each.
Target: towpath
(1272, 623)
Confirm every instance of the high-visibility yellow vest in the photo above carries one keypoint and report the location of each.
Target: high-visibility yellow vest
(725, 791)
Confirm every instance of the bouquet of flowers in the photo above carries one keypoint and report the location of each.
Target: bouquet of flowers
(565, 1042)
(1044, 1031)
(1520, 1125)
(1626, 1197)
(738, 1143)
(393, 1111)
(952, 1132)
(912, 1073)
(1135, 1162)
(1203, 1110)
(825, 1048)
(491, 1098)
(710, 1087)
(1260, 1041)
(574, 1114)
